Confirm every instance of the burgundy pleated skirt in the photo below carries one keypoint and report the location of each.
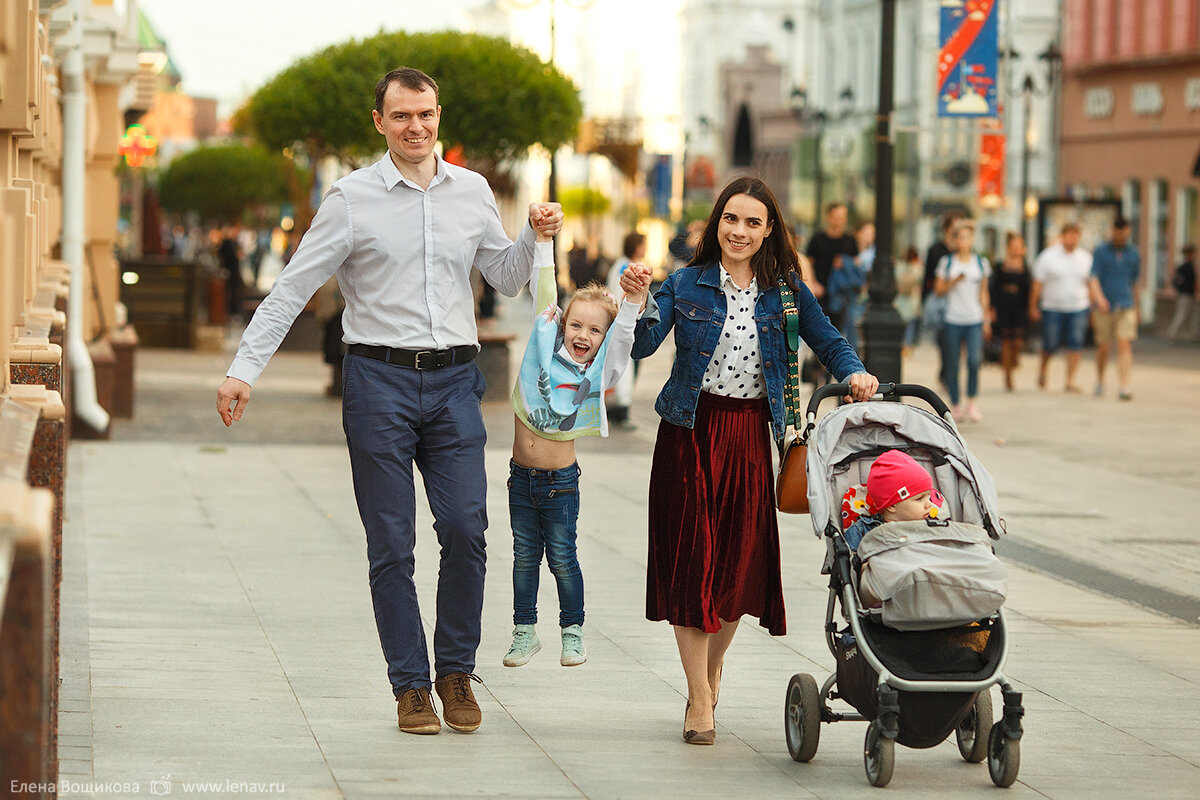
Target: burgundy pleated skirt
(714, 536)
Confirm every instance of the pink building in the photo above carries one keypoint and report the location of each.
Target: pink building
(1131, 120)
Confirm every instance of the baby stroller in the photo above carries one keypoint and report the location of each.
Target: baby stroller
(912, 686)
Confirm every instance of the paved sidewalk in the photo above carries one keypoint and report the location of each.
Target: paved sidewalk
(217, 623)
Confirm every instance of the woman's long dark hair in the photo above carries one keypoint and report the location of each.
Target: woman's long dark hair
(777, 255)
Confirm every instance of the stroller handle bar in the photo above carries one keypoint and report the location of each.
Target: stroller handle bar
(887, 391)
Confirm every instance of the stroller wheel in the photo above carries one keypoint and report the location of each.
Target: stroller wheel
(1004, 757)
(802, 717)
(879, 756)
(972, 732)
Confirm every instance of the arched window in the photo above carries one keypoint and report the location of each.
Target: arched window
(743, 139)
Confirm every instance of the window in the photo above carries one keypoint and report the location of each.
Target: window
(1160, 245)
(1187, 203)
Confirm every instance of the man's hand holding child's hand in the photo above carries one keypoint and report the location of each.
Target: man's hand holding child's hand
(635, 282)
(546, 219)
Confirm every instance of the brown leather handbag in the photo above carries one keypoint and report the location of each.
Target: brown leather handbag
(791, 485)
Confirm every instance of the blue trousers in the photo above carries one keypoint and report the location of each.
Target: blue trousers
(395, 417)
(955, 336)
(543, 506)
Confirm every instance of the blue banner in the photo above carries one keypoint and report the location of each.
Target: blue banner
(966, 66)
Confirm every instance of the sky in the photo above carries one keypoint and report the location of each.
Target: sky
(228, 48)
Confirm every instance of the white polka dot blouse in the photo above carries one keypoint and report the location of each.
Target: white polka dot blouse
(735, 369)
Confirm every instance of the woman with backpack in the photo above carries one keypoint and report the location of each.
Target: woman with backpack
(962, 278)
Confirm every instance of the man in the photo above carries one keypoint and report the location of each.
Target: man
(1059, 298)
(1113, 286)
(1186, 296)
(826, 249)
(402, 236)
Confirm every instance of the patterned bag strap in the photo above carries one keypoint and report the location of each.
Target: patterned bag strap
(793, 416)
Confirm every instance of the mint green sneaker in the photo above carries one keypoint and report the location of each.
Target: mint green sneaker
(525, 644)
(573, 652)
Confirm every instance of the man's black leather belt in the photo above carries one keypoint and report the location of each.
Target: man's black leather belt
(417, 359)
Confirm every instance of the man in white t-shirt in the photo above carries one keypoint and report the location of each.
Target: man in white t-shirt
(1060, 299)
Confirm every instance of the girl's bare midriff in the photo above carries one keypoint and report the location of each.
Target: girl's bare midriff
(533, 452)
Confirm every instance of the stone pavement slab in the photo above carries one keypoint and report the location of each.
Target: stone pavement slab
(218, 624)
(244, 649)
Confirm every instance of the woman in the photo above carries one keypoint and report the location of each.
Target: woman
(962, 278)
(1008, 292)
(714, 538)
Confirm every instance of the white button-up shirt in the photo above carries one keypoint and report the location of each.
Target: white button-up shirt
(403, 258)
(735, 369)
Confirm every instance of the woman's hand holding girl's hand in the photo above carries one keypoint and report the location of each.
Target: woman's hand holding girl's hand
(635, 282)
(863, 386)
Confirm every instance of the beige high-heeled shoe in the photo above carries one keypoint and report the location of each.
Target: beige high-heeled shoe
(697, 737)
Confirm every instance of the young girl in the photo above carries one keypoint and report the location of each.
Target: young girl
(1009, 293)
(572, 357)
(961, 278)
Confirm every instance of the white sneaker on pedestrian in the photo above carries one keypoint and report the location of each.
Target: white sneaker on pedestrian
(1099, 390)
(573, 652)
(525, 645)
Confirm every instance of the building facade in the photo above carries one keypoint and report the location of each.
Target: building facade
(1131, 121)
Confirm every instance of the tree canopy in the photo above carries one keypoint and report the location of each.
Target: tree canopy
(223, 182)
(498, 100)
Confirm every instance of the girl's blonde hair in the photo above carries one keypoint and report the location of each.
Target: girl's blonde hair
(594, 293)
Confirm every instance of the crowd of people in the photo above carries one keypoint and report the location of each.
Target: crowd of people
(412, 392)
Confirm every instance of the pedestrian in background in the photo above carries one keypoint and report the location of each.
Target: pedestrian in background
(1186, 296)
(402, 235)
(933, 306)
(859, 270)
(909, 281)
(1009, 294)
(962, 278)
(714, 536)
(826, 249)
(1116, 268)
(633, 250)
(1059, 298)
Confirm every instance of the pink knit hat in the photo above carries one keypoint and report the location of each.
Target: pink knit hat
(895, 476)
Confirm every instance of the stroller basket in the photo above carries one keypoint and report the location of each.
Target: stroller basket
(969, 654)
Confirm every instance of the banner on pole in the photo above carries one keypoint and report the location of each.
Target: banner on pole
(966, 67)
(991, 169)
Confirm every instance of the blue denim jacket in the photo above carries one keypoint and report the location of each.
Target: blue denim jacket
(692, 302)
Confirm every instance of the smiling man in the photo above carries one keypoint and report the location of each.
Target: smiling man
(402, 236)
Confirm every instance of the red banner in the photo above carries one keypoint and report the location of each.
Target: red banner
(991, 169)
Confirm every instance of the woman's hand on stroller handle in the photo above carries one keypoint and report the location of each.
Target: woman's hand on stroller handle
(862, 386)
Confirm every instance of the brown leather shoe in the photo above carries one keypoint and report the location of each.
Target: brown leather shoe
(458, 701)
(415, 711)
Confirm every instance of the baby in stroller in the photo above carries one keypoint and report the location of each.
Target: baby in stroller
(898, 489)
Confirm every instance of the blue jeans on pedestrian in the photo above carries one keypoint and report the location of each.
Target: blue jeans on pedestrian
(395, 417)
(954, 338)
(1063, 328)
(543, 507)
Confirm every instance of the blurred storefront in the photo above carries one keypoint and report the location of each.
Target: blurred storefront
(1131, 121)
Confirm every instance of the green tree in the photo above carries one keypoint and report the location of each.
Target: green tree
(223, 182)
(500, 100)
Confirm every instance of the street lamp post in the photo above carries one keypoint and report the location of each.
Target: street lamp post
(821, 119)
(883, 330)
(1052, 57)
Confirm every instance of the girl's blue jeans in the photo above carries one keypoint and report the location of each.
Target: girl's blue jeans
(543, 507)
(954, 338)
